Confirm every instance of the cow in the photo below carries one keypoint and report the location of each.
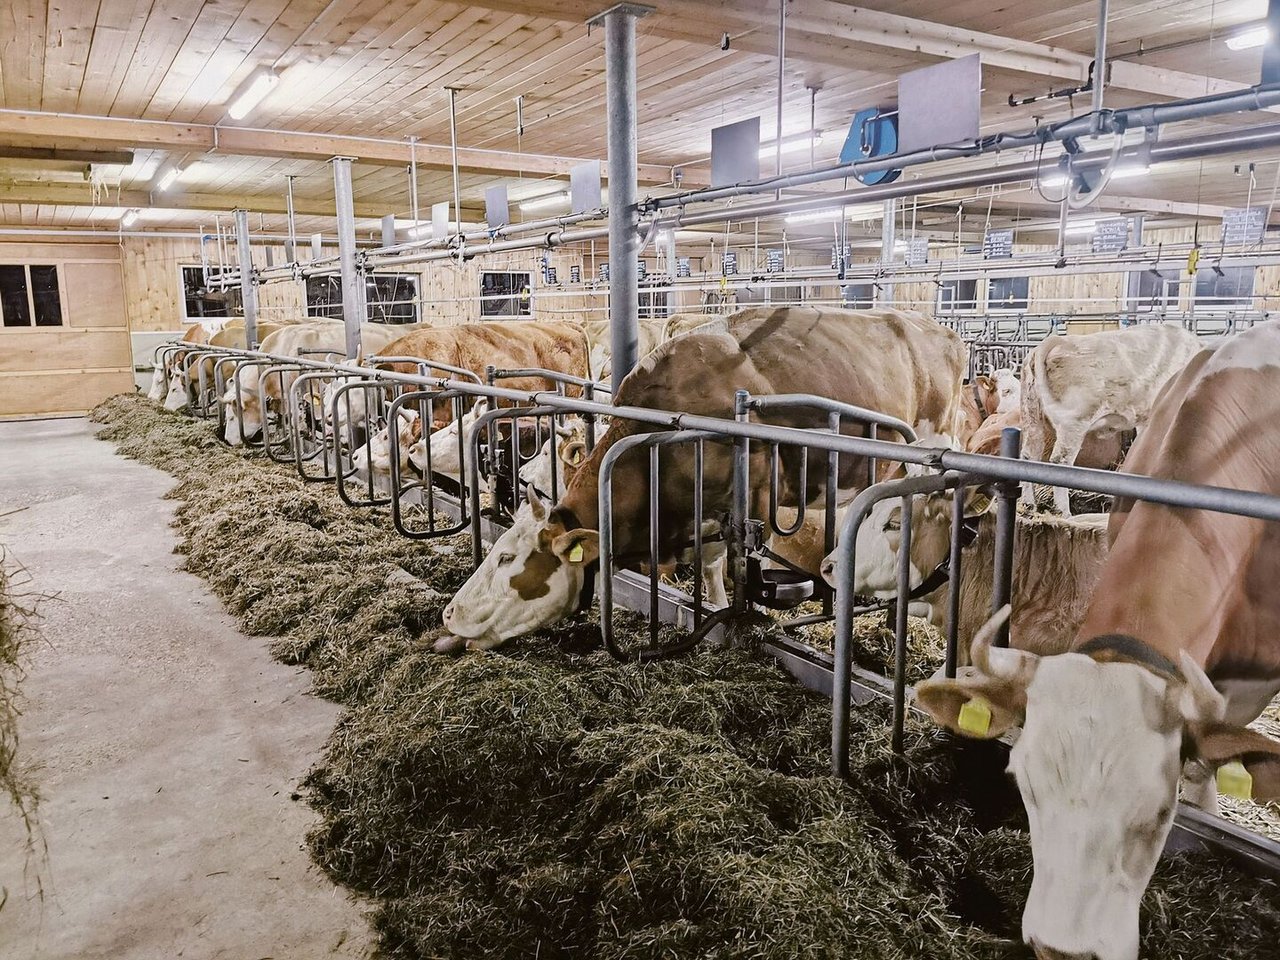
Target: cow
(183, 385)
(522, 344)
(903, 364)
(196, 333)
(1097, 383)
(1056, 565)
(1178, 650)
(600, 346)
(315, 340)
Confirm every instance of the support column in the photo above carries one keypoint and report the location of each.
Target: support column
(888, 241)
(624, 276)
(353, 303)
(248, 292)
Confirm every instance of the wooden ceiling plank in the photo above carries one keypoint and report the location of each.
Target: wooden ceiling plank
(69, 30)
(22, 52)
(115, 38)
(210, 28)
(168, 23)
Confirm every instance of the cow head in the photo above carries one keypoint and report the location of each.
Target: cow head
(442, 445)
(531, 578)
(1097, 763)
(1008, 390)
(242, 410)
(177, 395)
(159, 383)
(376, 454)
(880, 535)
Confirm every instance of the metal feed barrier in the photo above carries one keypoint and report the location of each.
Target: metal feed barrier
(834, 675)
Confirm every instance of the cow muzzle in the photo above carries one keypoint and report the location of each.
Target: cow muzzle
(1043, 952)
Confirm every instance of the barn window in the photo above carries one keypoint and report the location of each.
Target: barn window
(1008, 293)
(505, 295)
(1152, 290)
(1224, 286)
(858, 296)
(30, 296)
(653, 298)
(389, 298)
(197, 299)
(956, 295)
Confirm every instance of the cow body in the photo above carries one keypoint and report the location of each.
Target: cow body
(1180, 646)
(1056, 565)
(1097, 383)
(600, 344)
(905, 365)
(182, 391)
(196, 333)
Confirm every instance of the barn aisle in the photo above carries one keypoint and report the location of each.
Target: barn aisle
(168, 743)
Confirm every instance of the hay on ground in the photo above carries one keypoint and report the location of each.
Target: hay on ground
(545, 801)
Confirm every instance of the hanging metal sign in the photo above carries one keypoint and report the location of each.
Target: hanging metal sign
(997, 244)
(1111, 236)
(773, 261)
(683, 267)
(575, 273)
(730, 263)
(917, 251)
(1243, 224)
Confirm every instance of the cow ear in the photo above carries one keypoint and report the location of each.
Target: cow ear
(985, 382)
(973, 705)
(977, 501)
(1219, 743)
(573, 452)
(581, 546)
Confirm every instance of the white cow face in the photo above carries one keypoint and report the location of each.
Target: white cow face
(376, 455)
(244, 410)
(351, 408)
(159, 384)
(1097, 764)
(445, 460)
(876, 558)
(176, 398)
(1008, 389)
(531, 578)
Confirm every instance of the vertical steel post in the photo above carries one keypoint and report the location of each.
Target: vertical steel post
(953, 582)
(413, 181)
(888, 241)
(353, 300)
(1099, 65)
(291, 247)
(453, 147)
(741, 504)
(1006, 519)
(900, 608)
(248, 295)
(624, 276)
(782, 60)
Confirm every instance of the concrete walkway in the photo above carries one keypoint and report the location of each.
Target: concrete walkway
(168, 744)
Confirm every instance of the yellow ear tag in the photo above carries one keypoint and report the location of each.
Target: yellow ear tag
(577, 458)
(1193, 260)
(1235, 781)
(575, 553)
(975, 717)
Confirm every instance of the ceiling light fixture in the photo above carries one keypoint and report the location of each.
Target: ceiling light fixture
(1251, 37)
(791, 144)
(169, 178)
(541, 203)
(129, 219)
(864, 211)
(1120, 173)
(1081, 226)
(251, 93)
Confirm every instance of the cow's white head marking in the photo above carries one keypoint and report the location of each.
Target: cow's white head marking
(243, 409)
(531, 578)
(1097, 764)
(177, 396)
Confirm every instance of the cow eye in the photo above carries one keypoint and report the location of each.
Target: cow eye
(505, 558)
(893, 524)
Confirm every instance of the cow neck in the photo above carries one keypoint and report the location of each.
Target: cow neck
(1123, 648)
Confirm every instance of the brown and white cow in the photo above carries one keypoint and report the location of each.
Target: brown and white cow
(905, 365)
(196, 333)
(1056, 565)
(317, 340)
(1105, 383)
(1179, 649)
(600, 347)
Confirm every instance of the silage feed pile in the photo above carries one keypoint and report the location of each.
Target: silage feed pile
(17, 633)
(544, 801)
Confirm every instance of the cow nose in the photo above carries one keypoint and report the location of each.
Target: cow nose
(1049, 953)
(447, 616)
(828, 570)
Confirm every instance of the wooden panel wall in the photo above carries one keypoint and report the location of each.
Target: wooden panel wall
(68, 369)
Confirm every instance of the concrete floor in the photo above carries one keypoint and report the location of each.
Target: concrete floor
(167, 744)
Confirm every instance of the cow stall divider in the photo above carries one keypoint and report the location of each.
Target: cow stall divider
(941, 469)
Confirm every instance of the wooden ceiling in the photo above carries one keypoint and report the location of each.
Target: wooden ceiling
(360, 78)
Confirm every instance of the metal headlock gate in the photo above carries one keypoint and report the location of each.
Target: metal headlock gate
(834, 675)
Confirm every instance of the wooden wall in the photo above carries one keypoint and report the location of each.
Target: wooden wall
(68, 369)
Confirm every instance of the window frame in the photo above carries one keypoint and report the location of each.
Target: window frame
(63, 317)
(510, 297)
(182, 296)
(954, 305)
(1210, 304)
(1000, 307)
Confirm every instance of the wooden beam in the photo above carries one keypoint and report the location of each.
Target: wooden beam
(60, 155)
(28, 128)
(73, 195)
(831, 32)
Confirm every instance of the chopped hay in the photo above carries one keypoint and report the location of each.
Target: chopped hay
(546, 801)
(18, 617)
